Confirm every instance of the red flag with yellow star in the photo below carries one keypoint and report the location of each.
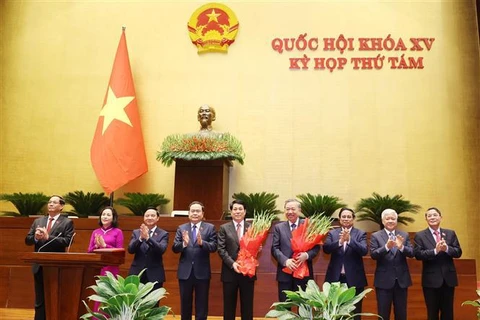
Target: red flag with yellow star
(118, 152)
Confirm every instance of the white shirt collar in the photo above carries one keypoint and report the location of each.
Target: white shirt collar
(296, 223)
(55, 218)
(195, 224)
(241, 223)
(388, 232)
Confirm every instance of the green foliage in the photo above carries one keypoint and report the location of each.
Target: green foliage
(126, 299)
(313, 204)
(27, 203)
(258, 203)
(85, 205)
(370, 209)
(200, 146)
(138, 202)
(475, 303)
(336, 301)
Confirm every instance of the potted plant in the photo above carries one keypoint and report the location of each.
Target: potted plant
(258, 203)
(138, 202)
(475, 303)
(88, 204)
(336, 301)
(26, 203)
(325, 205)
(126, 299)
(370, 209)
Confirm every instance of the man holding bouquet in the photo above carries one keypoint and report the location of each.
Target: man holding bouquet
(282, 251)
(233, 280)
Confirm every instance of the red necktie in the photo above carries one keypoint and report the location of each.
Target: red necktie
(49, 226)
(437, 235)
(239, 231)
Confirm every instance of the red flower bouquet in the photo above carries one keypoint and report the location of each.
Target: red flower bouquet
(252, 241)
(308, 234)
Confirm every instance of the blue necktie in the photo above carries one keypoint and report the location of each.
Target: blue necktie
(194, 233)
(392, 237)
(293, 226)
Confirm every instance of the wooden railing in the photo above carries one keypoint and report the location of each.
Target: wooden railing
(16, 280)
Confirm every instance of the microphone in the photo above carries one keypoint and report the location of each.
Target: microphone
(48, 242)
(71, 241)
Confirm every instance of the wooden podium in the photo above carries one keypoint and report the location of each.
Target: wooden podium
(66, 277)
(205, 181)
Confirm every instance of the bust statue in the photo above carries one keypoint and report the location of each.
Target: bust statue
(205, 144)
(206, 115)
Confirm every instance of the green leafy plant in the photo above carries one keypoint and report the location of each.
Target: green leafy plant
(200, 146)
(336, 301)
(475, 303)
(88, 204)
(138, 202)
(26, 203)
(256, 203)
(370, 209)
(126, 299)
(314, 204)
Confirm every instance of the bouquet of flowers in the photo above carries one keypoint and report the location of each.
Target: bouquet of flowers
(251, 242)
(305, 237)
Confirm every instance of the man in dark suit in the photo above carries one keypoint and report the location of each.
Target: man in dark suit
(148, 244)
(283, 253)
(52, 233)
(436, 248)
(347, 246)
(194, 241)
(233, 280)
(390, 248)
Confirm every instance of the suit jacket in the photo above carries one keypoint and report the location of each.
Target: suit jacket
(193, 254)
(60, 236)
(390, 265)
(351, 258)
(149, 254)
(228, 248)
(440, 267)
(282, 250)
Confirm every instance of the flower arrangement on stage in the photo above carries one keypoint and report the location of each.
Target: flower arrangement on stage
(252, 241)
(307, 235)
(200, 146)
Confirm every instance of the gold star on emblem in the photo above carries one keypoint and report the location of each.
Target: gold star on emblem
(115, 109)
(213, 16)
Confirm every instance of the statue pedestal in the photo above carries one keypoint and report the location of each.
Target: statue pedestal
(204, 181)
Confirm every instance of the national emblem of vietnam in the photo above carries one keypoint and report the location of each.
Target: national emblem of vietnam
(213, 27)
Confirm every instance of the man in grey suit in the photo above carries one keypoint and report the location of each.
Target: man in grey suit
(194, 241)
(149, 244)
(390, 248)
(52, 233)
(283, 253)
(233, 280)
(347, 246)
(437, 247)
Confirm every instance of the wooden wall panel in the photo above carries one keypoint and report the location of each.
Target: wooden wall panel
(16, 280)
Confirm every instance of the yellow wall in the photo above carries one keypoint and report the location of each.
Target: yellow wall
(346, 133)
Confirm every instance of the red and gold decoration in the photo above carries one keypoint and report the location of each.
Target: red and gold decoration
(213, 27)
